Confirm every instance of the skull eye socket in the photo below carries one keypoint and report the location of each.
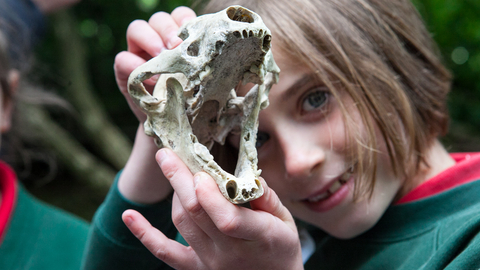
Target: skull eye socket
(183, 34)
(240, 14)
(193, 49)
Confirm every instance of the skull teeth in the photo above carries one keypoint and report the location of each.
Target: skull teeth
(205, 73)
(250, 33)
(200, 76)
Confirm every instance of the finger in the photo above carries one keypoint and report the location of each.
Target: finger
(143, 40)
(171, 252)
(270, 203)
(125, 63)
(181, 180)
(189, 230)
(232, 220)
(166, 27)
(182, 15)
(176, 172)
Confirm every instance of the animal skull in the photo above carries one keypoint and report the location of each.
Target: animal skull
(194, 102)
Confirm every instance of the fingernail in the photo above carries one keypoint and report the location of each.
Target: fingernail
(173, 40)
(161, 155)
(155, 78)
(128, 221)
(196, 180)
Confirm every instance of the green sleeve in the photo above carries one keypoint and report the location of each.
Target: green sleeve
(112, 246)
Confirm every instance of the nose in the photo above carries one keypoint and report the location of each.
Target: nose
(302, 156)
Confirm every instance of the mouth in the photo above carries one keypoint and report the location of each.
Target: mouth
(334, 187)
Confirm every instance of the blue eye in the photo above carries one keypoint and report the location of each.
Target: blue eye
(314, 100)
(262, 137)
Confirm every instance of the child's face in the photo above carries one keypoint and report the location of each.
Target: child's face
(303, 154)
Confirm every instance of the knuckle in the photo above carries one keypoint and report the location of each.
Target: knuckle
(169, 170)
(159, 18)
(142, 235)
(229, 225)
(182, 12)
(134, 25)
(193, 207)
(120, 59)
(178, 218)
(159, 15)
(161, 253)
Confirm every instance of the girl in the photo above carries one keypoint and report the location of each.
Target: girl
(348, 146)
(33, 235)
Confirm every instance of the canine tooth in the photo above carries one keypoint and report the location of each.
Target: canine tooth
(254, 69)
(202, 75)
(346, 176)
(205, 73)
(336, 185)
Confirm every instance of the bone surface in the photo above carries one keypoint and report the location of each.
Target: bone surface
(194, 102)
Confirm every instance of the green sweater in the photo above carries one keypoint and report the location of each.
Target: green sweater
(111, 245)
(439, 232)
(42, 237)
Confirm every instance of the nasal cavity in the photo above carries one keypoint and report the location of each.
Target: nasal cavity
(240, 14)
(193, 49)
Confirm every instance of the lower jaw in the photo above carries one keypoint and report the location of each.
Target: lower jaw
(332, 201)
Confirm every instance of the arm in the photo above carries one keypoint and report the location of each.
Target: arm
(111, 245)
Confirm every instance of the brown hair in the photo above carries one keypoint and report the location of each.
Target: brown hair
(383, 57)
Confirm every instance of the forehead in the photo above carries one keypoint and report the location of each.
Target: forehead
(291, 70)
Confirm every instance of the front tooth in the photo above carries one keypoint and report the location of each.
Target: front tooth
(319, 197)
(336, 185)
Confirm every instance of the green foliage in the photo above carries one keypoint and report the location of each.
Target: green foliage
(455, 26)
(102, 24)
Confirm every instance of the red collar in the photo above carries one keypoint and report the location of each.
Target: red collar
(8, 188)
(466, 169)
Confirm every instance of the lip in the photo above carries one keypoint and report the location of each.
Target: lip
(335, 199)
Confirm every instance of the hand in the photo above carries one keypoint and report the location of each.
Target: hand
(221, 235)
(146, 40)
(142, 180)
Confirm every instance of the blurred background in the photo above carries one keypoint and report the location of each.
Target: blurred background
(72, 155)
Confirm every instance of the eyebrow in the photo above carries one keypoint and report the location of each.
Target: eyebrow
(300, 83)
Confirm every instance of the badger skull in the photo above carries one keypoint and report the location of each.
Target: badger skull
(194, 102)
